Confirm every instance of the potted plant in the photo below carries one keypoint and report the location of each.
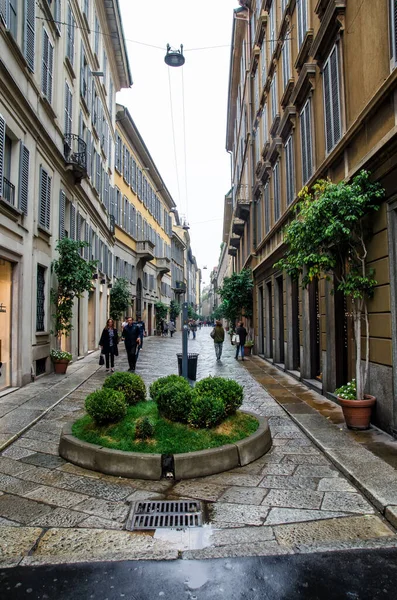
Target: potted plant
(328, 238)
(248, 347)
(60, 360)
(120, 298)
(74, 277)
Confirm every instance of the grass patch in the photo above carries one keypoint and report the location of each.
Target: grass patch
(169, 437)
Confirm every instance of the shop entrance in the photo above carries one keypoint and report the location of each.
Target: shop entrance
(5, 322)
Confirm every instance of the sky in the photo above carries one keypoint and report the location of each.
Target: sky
(197, 93)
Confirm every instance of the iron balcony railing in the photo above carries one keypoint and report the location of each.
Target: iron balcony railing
(8, 191)
(75, 151)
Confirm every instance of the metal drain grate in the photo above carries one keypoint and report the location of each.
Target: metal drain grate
(154, 515)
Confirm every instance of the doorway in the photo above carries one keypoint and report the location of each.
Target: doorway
(261, 342)
(5, 322)
(280, 324)
(341, 339)
(296, 342)
(91, 321)
(314, 310)
(269, 320)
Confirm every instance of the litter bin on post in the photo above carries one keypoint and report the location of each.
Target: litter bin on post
(191, 366)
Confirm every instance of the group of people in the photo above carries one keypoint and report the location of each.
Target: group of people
(167, 327)
(132, 335)
(218, 335)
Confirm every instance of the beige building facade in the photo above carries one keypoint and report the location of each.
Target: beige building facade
(312, 94)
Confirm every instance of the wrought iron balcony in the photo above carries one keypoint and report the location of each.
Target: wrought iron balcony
(75, 153)
(8, 192)
(180, 287)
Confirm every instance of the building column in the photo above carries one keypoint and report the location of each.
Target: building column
(306, 366)
(329, 368)
(289, 353)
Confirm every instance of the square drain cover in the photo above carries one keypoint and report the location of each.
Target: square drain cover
(166, 513)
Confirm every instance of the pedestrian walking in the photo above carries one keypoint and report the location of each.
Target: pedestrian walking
(162, 327)
(132, 340)
(171, 328)
(108, 343)
(193, 328)
(124, 323)
(218, 335)
(142, 333)
(165, 329)
(242, 336)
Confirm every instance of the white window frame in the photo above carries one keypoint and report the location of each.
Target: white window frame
(286, 58)
(47, 66)
(333, 117)
(68, 125)
(306, 141)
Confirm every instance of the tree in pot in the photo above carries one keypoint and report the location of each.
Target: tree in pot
(161, 315)
(236, 294)
(329, 237)
(175, 310)
(120, 298)
(74, 277)
(248, 347)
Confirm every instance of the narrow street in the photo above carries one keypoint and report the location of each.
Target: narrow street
(292, 500)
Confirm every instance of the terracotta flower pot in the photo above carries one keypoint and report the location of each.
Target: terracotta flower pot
(357, 413)
(60, 365)
(247, 350)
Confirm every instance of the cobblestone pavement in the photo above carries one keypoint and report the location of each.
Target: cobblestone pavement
(291, 500)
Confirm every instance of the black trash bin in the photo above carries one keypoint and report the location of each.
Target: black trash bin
(191, 365)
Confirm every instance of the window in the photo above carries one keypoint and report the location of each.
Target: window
(133, 174)
(72, 233)
(29, 32)
(45, 200)
(333, 127)
(302, 21)
(272, 28)
(256, 91)
(126, 165)
(267, 207)
(111, 101)
(23, 178)
(290, 169)
(274, 96)
(71, 24)
(96, 36)
(306, 142)
(263, 61)
(40, 298)
(265, 129)
(283, 5)
(104, 67)
(47, 67)
(8, 12)
(68, 109)
(286, 52)
(118, 153)
(85, 80)
(393, 32)
(86, 9)
(276, 191)
(62, 207)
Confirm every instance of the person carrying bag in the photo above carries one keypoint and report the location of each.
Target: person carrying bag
(108, 343)
(218, 335)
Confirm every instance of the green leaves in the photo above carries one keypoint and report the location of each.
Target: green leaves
(161, 312)
(74, 276)
(236, 294)
(120, 297)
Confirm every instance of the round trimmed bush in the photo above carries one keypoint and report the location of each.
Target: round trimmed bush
(174, 401)
(159, 384)
(144, 428)
(206, 411)
(131, 385)
(106, 406)
(231, 392)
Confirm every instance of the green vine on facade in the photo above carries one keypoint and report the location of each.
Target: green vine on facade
(329, 237)
(74, 277)
(120, 299)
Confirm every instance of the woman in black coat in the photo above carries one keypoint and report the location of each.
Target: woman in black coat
(108, 343)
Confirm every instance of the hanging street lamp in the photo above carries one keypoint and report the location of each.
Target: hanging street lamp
(174, 58)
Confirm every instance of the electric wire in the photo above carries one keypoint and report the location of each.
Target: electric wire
(173, 136)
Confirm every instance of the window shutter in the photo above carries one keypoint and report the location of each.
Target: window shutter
(45, 199)
(276, 190)
(327, 107)
(335, 99)
(62, 204)
(289, 166)
(57, 15)
(88, 150)
(4, 11)
(44, 74)
(72, 222)
(23, 184)
(2, 143)
(29, 32)
(86, 239)
(106, 198)
(68, 109)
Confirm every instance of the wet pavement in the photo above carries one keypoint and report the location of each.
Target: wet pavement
(292, 500)
(362, 575)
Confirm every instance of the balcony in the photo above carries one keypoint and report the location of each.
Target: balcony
(8, 192)
(75, 153)
(232, 251)
(234, 241)
(238, 226)
(163, 265)
(180, 287)
(145, 252)
(243, 201)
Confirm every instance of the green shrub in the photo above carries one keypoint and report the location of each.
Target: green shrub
(174, 401)
(206, 411)
(231, 392)
(158, 385)
(130, 384)
(106, 406)
(144, 429)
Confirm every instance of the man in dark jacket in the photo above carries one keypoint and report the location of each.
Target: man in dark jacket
(132, 340)
(242, 333)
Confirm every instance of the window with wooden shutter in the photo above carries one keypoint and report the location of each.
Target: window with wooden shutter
(62, 207)
(72, 233)
(272, 28)
(47, 67)
(68, 109)
(133, 174)
(301, 6)
(139, 184)
(23, 185)
(2, 152)
(286, 56)
(45, 200)
(306, 142)
(333, 127)
(29, 32)
(263, 62)
(106, 191)
(274, 96)
(265, 128)
(87, 240)
(290, 169)
(276, 191)
(57, 15)
(71, 24)
(98, 181)
(96, 36)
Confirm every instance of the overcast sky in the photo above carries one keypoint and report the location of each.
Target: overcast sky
(204, 79)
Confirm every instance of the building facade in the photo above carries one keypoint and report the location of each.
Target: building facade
(61, 65)
(311, 97)
(143, 222)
